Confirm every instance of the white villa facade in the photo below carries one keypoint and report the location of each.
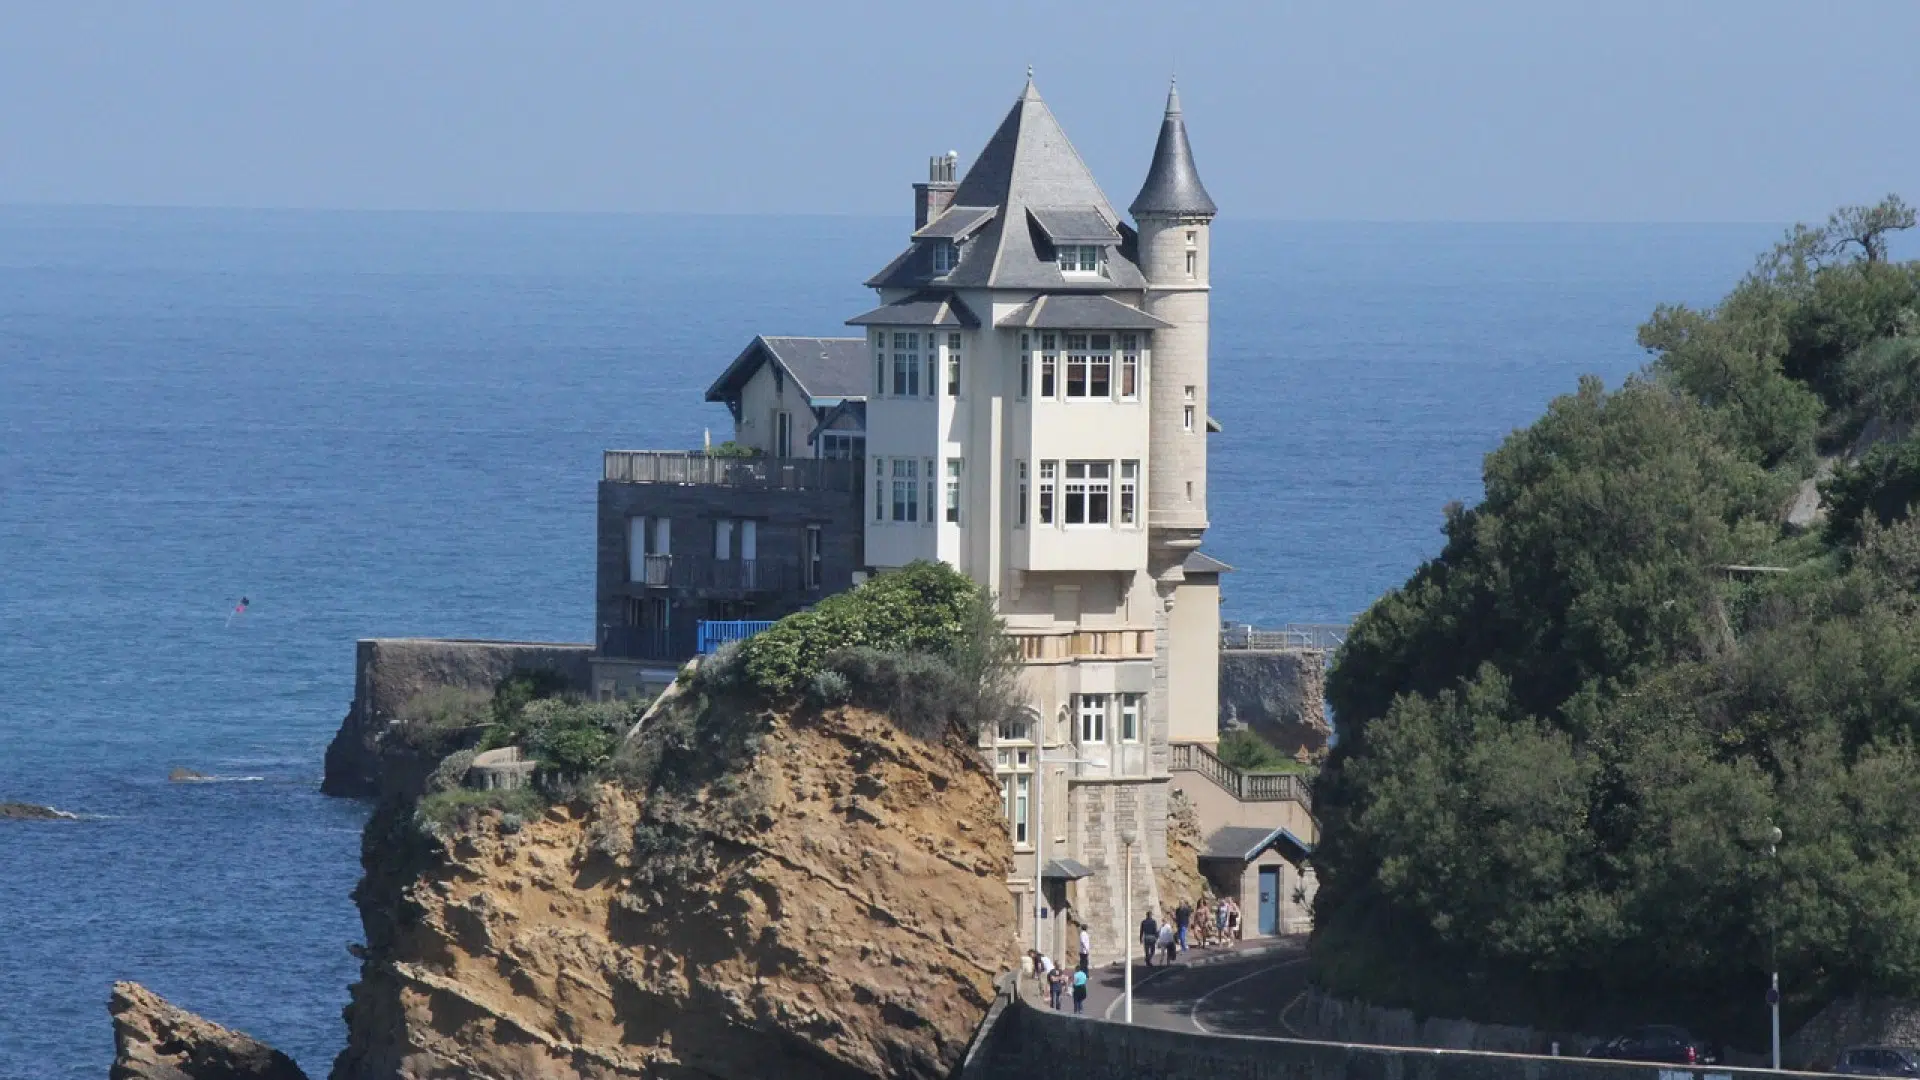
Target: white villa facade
(1037, 417)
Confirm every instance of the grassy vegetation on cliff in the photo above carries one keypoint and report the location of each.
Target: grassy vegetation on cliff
(1566, 739)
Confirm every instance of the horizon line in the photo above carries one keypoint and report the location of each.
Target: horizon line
(829, 214)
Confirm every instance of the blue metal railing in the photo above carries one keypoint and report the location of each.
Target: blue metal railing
(714, 634)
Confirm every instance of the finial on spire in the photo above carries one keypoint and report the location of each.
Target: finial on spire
(1173, 95)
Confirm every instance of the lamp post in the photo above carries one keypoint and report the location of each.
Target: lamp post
(1127, 837)
(1773, 941)
(1040, 763)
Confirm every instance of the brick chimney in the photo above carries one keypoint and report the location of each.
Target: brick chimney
(932, 198)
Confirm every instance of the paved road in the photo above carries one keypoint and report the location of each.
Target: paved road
(1241, 993)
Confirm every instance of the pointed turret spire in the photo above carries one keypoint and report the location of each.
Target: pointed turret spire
(1173, 186)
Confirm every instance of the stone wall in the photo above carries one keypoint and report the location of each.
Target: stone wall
(1100, 811)
(1322, 1016)
(1852, 1022)
(1279, 693)
(390, 671)
(1038, 1042)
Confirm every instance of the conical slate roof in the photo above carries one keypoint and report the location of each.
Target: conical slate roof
(1027, 165)
(1173, 187)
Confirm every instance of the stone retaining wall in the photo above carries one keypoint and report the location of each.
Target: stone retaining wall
(388, 672)
(1030, 1042)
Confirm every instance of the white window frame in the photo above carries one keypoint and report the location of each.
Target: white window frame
(1128, 509)
(880, 363)
(955, 468)
(1026, 367)
(1092, 483)
(1081, 260)
(906, 364)
(1186, 418)
(1091, 710)
(1130, 710)
(1020, 481)
(906, 490)
(1127, 386)
(722, 539)
(815, 556)
(953, 365)
(1048, 508)
(879, 489)
(1049, 366)
(946, 256)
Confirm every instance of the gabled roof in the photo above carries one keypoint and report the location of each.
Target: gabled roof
(957, 223)
(1064, 870)
(1080, 312)
(1199, 562)
(1244, 844)
(821, 367)
(1027, 163)
(1173, 186)
(920, 309)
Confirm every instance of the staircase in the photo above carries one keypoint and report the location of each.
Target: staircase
(1244, 786)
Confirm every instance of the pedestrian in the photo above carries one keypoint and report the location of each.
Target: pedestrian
(1056, 982)
(1033, 958)
(1182, 915)
(1233, 921)
(1080, 991)
(1149, 936)
(1166, 941)
(1086, 946)
(1220, 919)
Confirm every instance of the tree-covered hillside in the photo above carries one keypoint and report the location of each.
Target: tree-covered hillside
(1565, 741)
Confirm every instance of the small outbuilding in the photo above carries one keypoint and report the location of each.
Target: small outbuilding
(1267, 873)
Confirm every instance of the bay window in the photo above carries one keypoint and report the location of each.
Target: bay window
(906, 365)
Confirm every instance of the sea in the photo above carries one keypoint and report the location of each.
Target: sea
(390, 423)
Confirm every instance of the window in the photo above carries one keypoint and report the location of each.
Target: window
(1129, 367)
(1016, 729)
(906, 365)
(930, 503)
(1100, 366)
(723, 539)
(946, 256)
(1082, 259)
(1089, 487)
(1046, 492)
(953, 490)
(841, 446)
(879, 489)
(1026, 366)
(953, 365)
(1093, 718)
(906, 501)
(1049, 359)
(1193, 263)
(1076, 365)
(1129, 491)
(1129, 717)
(879, 362)
(933, 363)
(1186, 418)
(782, 433)
(1020, 481)
(815, 557)
(1015, 787)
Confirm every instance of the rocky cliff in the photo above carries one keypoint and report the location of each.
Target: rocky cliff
(817, 895)
(156, 1040)
(1279, 693)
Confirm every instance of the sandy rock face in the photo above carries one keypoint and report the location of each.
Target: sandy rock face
(155, 1040)
(833, 905)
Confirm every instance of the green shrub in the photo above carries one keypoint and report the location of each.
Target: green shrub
(574, 737)
(452, 771)
(922, 694)
(731, 449)
(461, 807)
(1248, 752)
(438, 720)
(510, 700)
(922, 607)
(830, 688)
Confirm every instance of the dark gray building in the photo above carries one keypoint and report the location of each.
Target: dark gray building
(687, 538)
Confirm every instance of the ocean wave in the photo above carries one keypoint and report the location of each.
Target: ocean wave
(219, 779)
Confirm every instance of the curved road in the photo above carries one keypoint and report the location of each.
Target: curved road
(1246, 992)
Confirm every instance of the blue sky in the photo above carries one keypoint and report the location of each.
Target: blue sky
(1628, 110)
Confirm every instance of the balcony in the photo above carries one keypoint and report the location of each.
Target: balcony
(667, 645)
(1067, 646)
(751, 473)
(708, 575)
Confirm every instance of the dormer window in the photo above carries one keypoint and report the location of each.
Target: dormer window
(946, 256)
(1083, 259)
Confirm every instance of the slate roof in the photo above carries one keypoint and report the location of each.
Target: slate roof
(1064, 870)
(1245, 843)
(1027, 163)
(957, 222)
(1080, 311)
(920, 309)
(1173, 186)
(1074, 225)
(1202, 563)
(822, 367)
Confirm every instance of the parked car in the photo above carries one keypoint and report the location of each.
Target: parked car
(1878, 1061)
(1662, 1043)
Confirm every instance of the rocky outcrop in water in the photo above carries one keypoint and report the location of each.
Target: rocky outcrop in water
(20, 811)
(156, 1040)
(798, 896)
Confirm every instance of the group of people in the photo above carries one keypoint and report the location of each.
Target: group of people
(1211, 923)
(1217, 923)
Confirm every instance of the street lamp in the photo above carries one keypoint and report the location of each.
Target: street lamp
(1127, 837)
(1773, 940)
(1040, 763)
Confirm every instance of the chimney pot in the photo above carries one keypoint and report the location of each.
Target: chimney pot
(931, 199)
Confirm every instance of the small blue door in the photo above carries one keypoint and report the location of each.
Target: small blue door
(1269, 900)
